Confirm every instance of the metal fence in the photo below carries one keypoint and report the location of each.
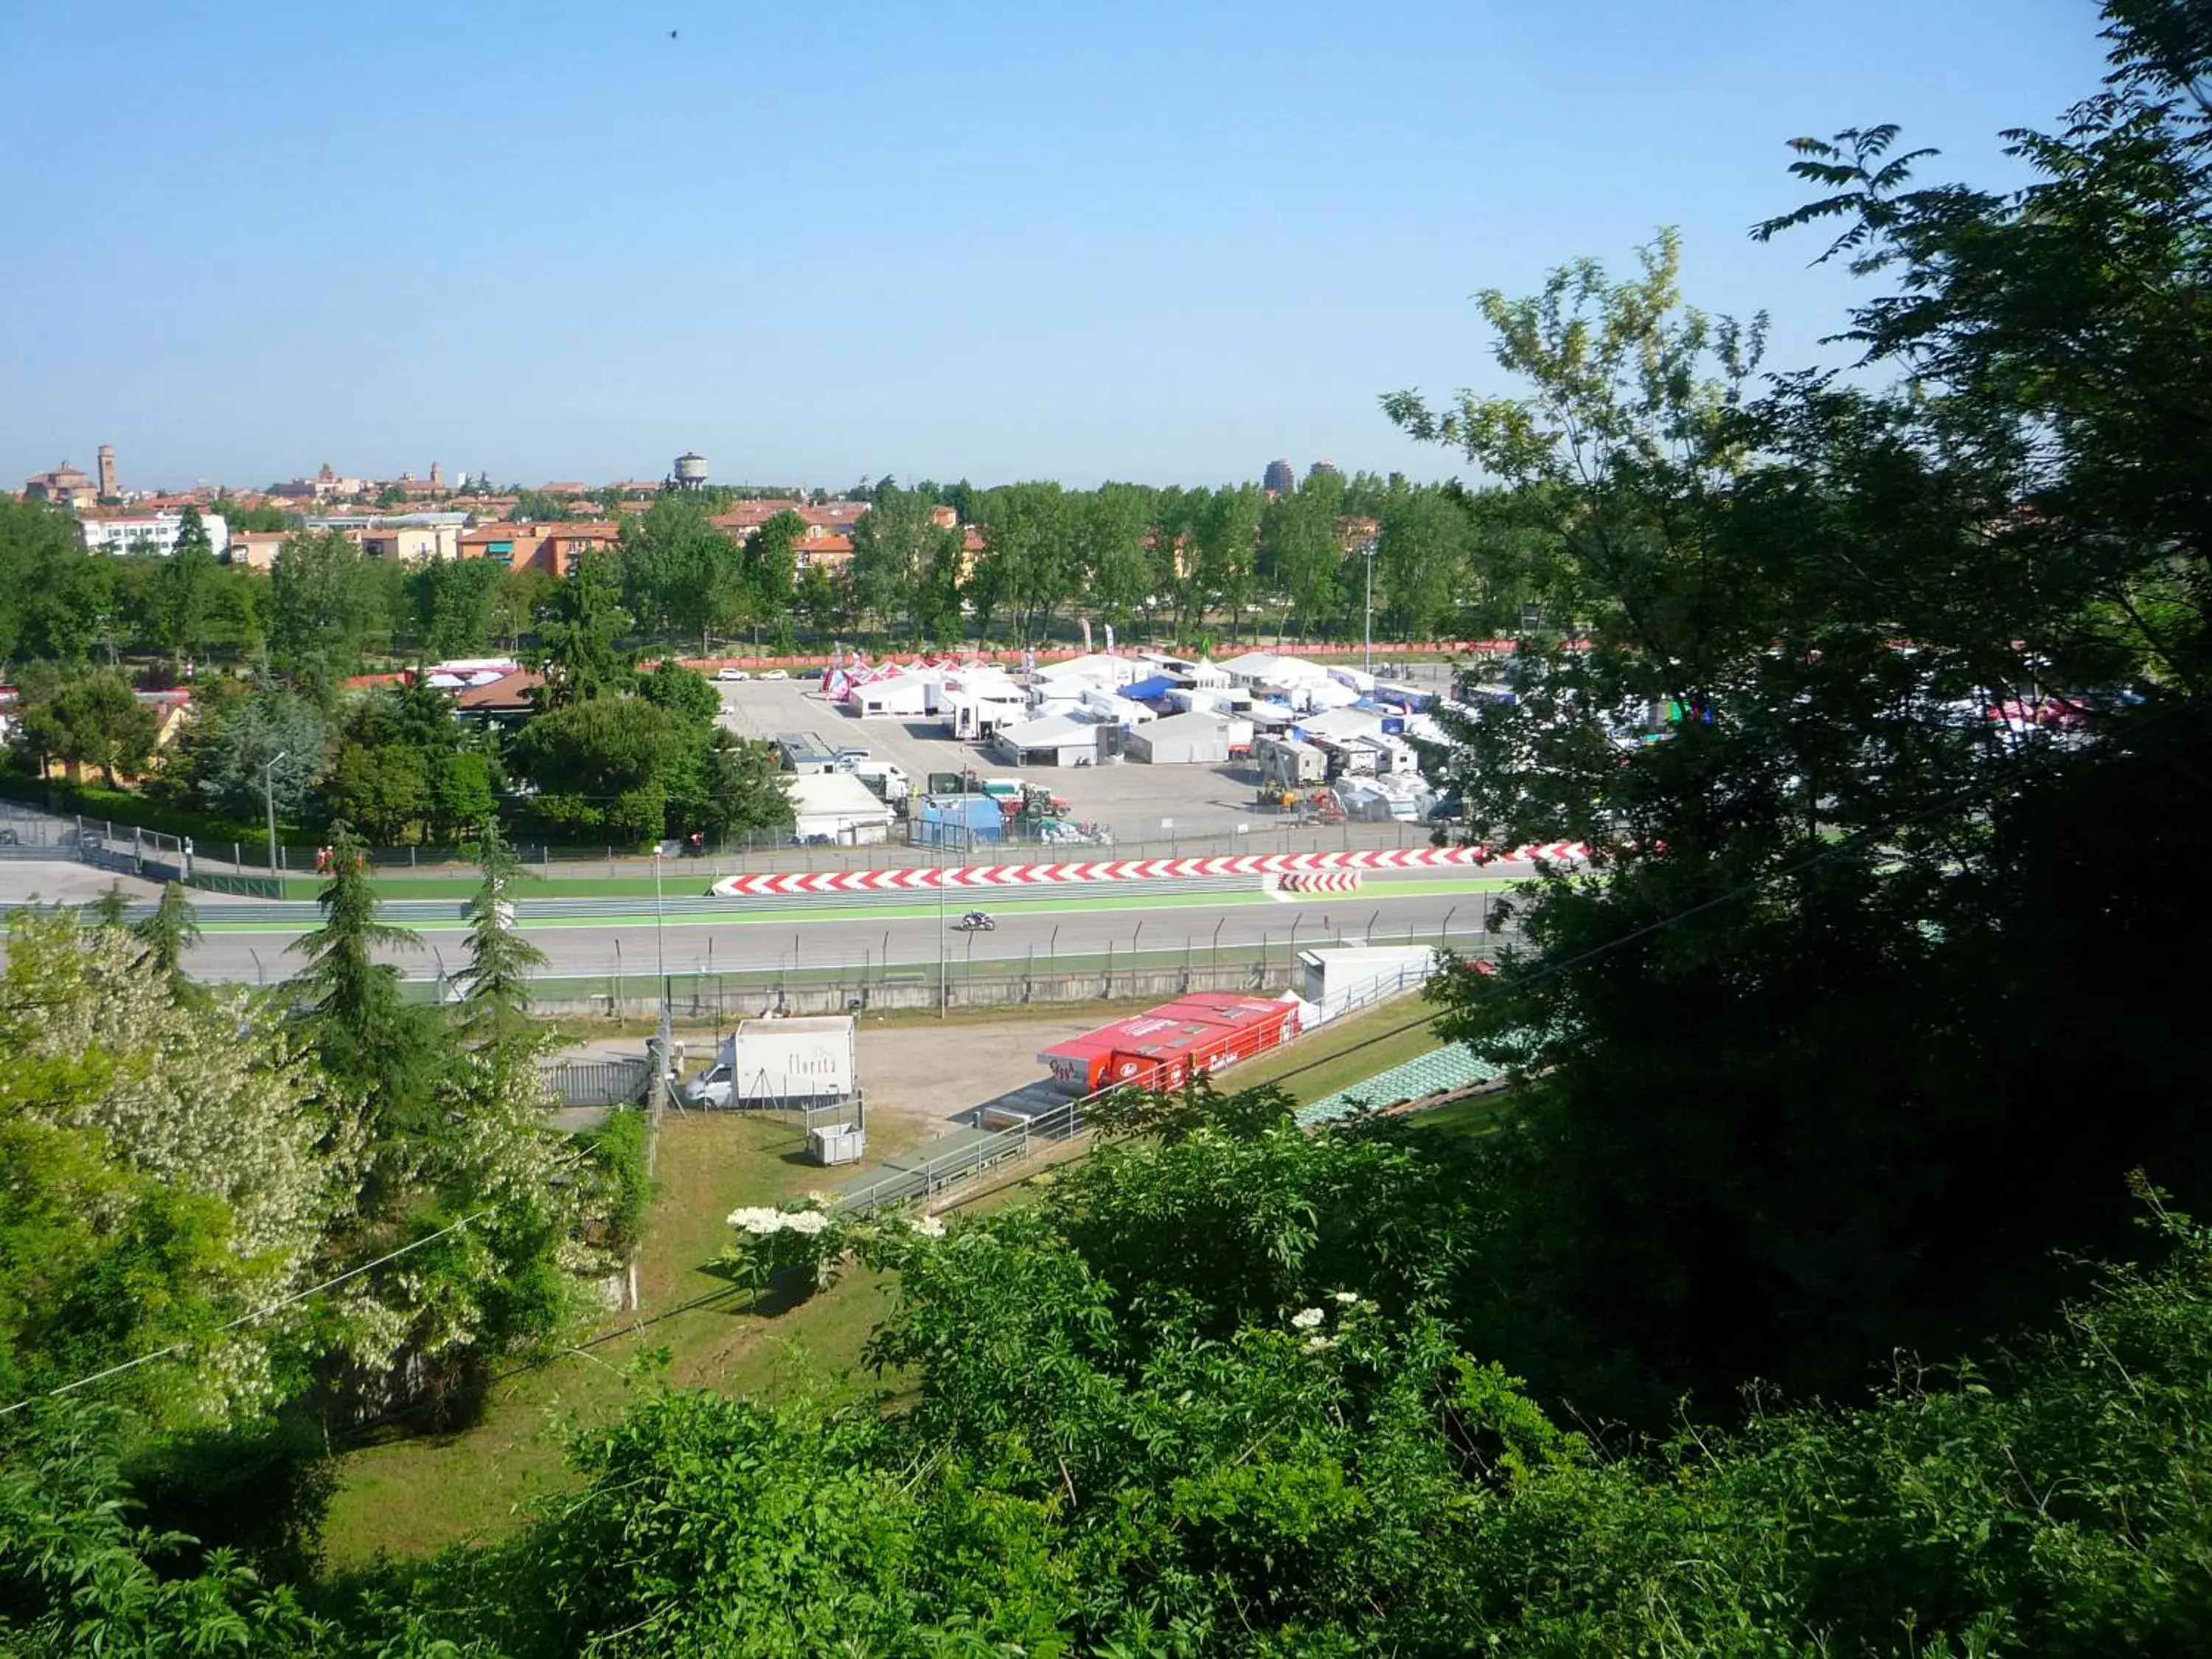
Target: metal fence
(709, 985)
(597, 1082)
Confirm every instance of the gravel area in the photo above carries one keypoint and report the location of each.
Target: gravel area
(918, 1075)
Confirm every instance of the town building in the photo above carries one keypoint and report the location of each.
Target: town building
(412, 542)
(552, 548)
(152, 533)
(255, 550)
(65, 486)
(325, 486)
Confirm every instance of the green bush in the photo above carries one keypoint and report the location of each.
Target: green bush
(617, 1150)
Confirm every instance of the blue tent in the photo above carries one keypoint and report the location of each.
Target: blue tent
(1146, 691)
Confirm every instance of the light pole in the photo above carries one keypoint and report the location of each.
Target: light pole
(269, 796)
(1367, 552)
(660, 957)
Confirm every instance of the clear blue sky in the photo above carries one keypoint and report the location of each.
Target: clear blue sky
(1165, 241)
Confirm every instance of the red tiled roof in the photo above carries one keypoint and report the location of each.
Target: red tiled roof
(508, 691)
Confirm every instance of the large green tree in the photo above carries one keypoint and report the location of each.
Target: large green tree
(601, 767)
(324, 599)
(1797, 1096)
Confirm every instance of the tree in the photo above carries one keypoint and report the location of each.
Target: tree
(1228, 535)
(1835, 872)
(579, 654)
(463, 791)
(599, 767)
(384, 790)
(1421, 560)
(771, 561)
(820, 598)
(170, 1165)
(1112, 523)
(170, 931)
(185, 587)
(742, 788)
(679, 573)
(494, 1012)
(110, 907)
(685, 693)
(86, 719)
(895, 545)
(55, 599)
(1028, 564)
(454, 602)
(1298, 549)
(323, 599)
(236, 744)
(365, 1037)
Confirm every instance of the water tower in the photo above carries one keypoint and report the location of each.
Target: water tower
(690, 471)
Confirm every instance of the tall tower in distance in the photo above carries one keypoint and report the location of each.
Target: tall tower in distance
(690, 471)
(107, 487)
(1278, 479)
(437, 475)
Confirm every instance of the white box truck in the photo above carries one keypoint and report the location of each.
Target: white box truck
(784, 1064)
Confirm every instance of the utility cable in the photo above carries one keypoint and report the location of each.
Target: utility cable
(244, 1319)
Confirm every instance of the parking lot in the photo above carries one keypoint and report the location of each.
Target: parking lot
(1141, 803)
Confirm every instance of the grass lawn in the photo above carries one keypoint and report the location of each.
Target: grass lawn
(413, 1494)
(1344, 1052)
(1474, 1116)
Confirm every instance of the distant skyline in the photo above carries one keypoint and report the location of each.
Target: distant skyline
(1157, 242)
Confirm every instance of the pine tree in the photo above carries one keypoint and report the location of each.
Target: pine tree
(107, 909)
(172, 929)
(365, 1036)
(495, 985)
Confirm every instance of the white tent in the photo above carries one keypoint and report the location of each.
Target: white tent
(1096, 668)
(1117, 711)
(1055, 740)
(839, 805)
(1187, 740)
(1341, 723)
(1250, 668)
(1290, 672)
(900, 696)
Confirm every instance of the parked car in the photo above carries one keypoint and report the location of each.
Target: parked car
(775, 674)
(813, 673)
(731, 674)
(853, 753)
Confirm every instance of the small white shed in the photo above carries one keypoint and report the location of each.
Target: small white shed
(839, 805)
(1187, 740)
(1055, 740)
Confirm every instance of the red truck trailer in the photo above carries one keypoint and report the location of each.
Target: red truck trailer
(1164, 1046)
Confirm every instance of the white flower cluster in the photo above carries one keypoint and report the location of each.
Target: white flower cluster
(927, 1225)
(1311, 1319)
(760, 1221)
